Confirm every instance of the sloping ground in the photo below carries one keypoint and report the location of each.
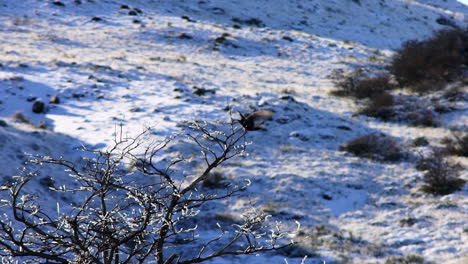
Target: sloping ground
(157, 63)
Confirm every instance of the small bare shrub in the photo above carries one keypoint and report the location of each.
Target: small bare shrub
(437, 59)
(423, 117)
(457, 144)
(410, 259)
(407, 109)
(359, 85)
(20, 118)
(420, 142)
(342, 242)
(380, 106)
(441, 175)
(377, 147)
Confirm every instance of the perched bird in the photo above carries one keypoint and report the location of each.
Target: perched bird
(253, 121)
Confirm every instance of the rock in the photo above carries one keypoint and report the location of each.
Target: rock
(31, 98)
(218, 11)
(188, 19)
(3, 123)
(288, 98)
(446, 22)
(299, 135)
(137, 110)
(54, 99)
(202, 91)
(347, 128)
(38, 107)
(78, 95)
(251, 22)
(138, 10)
(58, 3)
(185, 36)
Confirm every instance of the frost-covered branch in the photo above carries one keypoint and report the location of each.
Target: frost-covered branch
(132, 203)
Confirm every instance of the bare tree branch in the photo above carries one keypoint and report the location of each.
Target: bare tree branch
(121, 218)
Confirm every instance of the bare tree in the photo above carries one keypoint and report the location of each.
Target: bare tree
(122, 219)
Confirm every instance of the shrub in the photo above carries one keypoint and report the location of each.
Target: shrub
(377, 147)
(333, 239)
(20, 118)
(420, 142)
(380, 106)
(457, 144)
(423, 65)
(401, 108)
(410, 259)
(441, 175)
(423, 117)
(357, 84)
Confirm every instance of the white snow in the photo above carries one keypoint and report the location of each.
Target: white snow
(140, 71)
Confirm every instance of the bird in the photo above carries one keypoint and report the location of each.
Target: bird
(254, 120)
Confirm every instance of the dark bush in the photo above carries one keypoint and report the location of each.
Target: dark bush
(423, 117)
(410, 259)
(380, 106)
(377, 147)
(359, 85)
(457, 144)
(420, 142)
(401, 108)
(423, 65)
(441, 175)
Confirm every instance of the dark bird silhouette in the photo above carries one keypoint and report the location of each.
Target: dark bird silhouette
(253, 121)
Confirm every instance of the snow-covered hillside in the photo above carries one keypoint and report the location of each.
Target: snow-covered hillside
(157, 63)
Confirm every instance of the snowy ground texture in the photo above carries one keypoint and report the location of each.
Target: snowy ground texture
(109, 65)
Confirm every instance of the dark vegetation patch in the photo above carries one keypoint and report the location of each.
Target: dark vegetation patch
(424, 65)
(435, 69)
(441, 176)
(359, 84)
(249, 21)
(380, 106)
(331, 238)
(409, 259)
(376, 147)
(420, 142)
(457, 144)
